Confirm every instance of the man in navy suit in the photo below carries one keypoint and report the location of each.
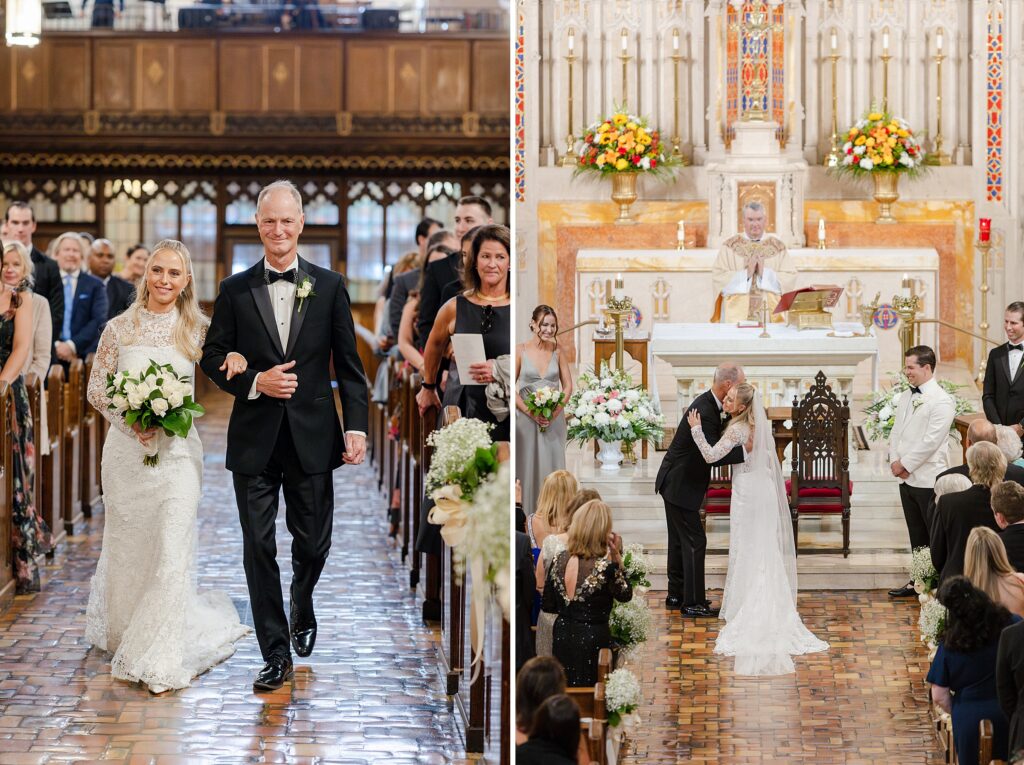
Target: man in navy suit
(85, 297)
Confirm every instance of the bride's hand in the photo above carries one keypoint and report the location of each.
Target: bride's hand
(693, 418)
(234, 364)
(144, 436)
(749, 445)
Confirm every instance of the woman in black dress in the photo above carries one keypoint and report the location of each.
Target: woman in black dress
(581, 585)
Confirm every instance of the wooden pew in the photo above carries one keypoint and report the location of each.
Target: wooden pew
(453, 653)
(7, 582)
(414, 498)
(43, 466)
(51, 477)
(591, 702)
(72, 421)
(92, 445)
(985, 737)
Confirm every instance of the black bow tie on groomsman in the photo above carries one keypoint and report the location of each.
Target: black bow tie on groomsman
(1012, 347)
(273, 276)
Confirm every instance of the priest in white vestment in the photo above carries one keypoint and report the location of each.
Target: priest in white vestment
(750, 267)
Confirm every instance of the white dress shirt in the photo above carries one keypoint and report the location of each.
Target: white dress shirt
(1015, 357)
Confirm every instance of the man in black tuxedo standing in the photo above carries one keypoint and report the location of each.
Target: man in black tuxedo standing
(1003, 392)
(274, 331)
(682, 483)
(120, 294)
(21, 225)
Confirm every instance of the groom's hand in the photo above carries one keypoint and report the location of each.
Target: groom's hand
(278, 382)
(355, 448)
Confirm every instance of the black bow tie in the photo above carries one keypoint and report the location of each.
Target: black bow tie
(1012, 347)
(273, 276)
(914, 390)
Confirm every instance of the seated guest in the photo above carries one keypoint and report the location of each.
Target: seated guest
(1008, 440)
(1010, 684)
(962, 511)
(554, 735)
(135, 264)
(1008, 508)
(951, 483)
(554, 544)
(963, 672)
(551, 515)
(120, 294)
(85, 302)
(581, 584)
(982, 430)
(17, 273)
(985, 564)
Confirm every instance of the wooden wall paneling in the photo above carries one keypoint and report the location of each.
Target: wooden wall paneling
(154, 76)
(113, 80)
(320, 75)
(491, 83)
(281, 78)
(6, 76)
(195, 76)
(31, 83)
(69, 75)
(446, 85)
(408, 77)
(367, 66)
(241, 76)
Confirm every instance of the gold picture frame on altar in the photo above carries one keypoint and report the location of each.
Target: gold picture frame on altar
(756, 191)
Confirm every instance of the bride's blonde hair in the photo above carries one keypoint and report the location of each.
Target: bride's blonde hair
(190, 314)
(745, 393)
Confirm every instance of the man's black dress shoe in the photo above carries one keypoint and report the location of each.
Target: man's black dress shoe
(907, 591)
(273, 675)
(673, 602)
(701, 610)
(303, 632)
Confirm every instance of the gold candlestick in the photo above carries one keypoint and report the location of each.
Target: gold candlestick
(676, 58)
(832, 158)
(885, 69)
(907, 309)
(764, 318)
(985, 247)
(625, 58)
(569, 160)
(937, 156)
(616, 312)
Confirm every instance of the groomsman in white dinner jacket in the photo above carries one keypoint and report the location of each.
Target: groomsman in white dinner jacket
(917, 446)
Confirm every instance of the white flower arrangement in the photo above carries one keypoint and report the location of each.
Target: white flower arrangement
(154, 397)
(621, 695)
(630, 623)
(636, 567)
(922, 571)
(881, 408)
(610, 408)
(931, 622)
(457, 448)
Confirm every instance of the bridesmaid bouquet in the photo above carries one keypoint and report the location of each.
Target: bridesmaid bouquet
(154, 397)
(544, 402)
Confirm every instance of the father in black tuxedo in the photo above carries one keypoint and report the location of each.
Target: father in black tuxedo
(1003, 392)
(682, 483)
(274, 331)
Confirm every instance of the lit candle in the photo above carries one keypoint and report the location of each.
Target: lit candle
(625, 41)
(834, 40)
(906, 286)
(572, 40)
(618, 287)
(938, 40)
(885, 40)
(821, 229)
(681, 233)
(984, 229)
(675, 40)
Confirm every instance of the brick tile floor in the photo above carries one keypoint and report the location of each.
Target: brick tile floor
(370, 693)
(862, 702)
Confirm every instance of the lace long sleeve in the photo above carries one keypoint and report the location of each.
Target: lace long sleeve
(730, 439)
(104, 363)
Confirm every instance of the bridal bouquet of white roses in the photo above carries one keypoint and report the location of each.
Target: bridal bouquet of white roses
(155, 397)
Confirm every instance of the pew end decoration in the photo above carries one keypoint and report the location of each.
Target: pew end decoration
(622, 698)
(636, 568)
(923, 573)
(155, 397)
(881, 408)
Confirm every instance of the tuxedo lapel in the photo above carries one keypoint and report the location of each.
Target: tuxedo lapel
(261, 294)
(1004, 362)
(299, 316)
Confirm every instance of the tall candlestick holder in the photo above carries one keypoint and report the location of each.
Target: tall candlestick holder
(886, 58)
(615, 313)
(832, 158)
(937, 156)
(676, 58)
(570, 160)
(625, 58)
(907, 308)
(985, 246)
(764, 318)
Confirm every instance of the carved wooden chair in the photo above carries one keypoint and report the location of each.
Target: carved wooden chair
(820, 480)
(718, 498)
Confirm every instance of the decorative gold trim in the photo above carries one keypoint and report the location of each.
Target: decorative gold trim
(218, 122)
(91, 122)
(252, 161)
(471, 124)
(343, 122)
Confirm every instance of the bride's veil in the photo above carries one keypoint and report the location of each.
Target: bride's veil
(764, 461)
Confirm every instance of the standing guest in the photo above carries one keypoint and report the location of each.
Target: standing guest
(85, 300)
(1003, 391)
(21, 225)
(1010, 684)
(403, 282)
(460, 257)
(120, 294)
(554, 734)
(551, 515)
(135, 261)
(957, 514)
(525, 588)
(918, 448)
(17, 273)
(986, 565)
(1008, 508)
(540, 441)
(963, 672)
(30, 534)
(581, 585)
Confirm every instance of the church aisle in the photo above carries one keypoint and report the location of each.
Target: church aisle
(369, 693)
(862, 702)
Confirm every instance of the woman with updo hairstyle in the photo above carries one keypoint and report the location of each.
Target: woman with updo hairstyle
(963, 672)
(540, 441)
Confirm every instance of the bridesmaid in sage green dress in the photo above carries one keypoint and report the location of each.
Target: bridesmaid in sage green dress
(540, 443)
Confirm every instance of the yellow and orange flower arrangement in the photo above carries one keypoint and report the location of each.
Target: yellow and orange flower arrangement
(881, 143)
(622, 143)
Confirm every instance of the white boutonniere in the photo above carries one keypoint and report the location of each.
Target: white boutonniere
(303, 291)
(917, 403)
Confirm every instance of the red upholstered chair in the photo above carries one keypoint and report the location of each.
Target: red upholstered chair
(820, 481)
(719, 494)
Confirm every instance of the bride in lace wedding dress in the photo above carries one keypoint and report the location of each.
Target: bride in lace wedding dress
(144, 606)
(763, 629)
